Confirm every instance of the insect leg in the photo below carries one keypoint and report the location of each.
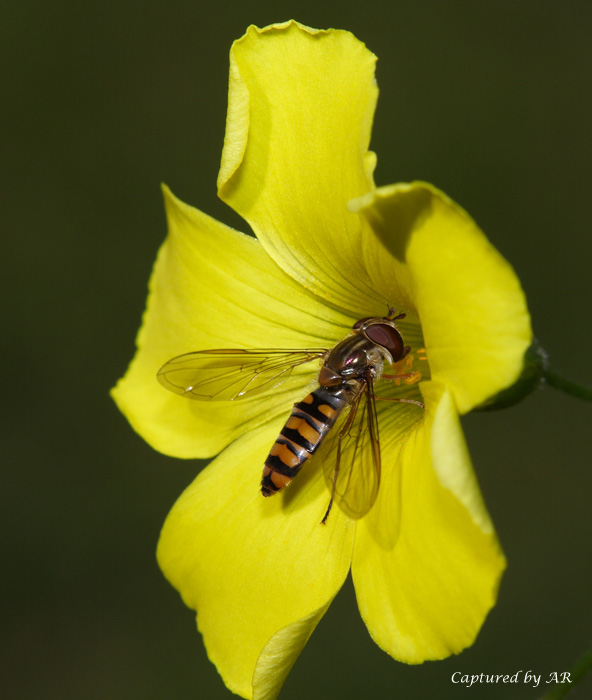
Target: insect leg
(384, 398)
(407, 375)
(335, 473)
(344, 430)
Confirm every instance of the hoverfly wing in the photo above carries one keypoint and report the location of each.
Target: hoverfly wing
(351, 462)
(228, 375)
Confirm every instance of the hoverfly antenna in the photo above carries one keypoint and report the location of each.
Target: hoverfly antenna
(391, 314)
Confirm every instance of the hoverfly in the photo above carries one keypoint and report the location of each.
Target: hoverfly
(339, 414)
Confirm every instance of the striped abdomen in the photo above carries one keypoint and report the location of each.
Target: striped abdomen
(310, 421)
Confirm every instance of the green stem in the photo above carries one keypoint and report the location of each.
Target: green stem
(577, 672)
(567, 386)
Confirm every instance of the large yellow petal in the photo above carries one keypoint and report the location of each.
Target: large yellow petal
(472, 309)
(259, 571)
(425, 590)
(213, 287)
(301, 103)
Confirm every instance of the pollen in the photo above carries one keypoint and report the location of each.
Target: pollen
(404, 371)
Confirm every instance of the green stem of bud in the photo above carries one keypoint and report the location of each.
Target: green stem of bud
(572, 388)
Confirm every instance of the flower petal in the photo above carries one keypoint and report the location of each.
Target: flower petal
(472, 309)
(280, 654)
(301, 103)
(213, 287)
(425, 592)
(259, 571)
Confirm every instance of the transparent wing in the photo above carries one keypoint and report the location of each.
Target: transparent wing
(227, 375)
(351, 462)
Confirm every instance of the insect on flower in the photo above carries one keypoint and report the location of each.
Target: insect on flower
(423, 554)
(339, 414)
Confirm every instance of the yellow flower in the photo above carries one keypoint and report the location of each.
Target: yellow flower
(331, 248)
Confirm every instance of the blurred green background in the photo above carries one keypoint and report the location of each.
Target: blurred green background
(103, 101)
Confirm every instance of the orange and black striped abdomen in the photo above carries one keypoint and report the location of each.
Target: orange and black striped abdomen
(310, 421)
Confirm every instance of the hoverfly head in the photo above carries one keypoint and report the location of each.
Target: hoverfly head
(383, 332)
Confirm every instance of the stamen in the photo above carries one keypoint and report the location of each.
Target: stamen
(413, 378)
(404, 371)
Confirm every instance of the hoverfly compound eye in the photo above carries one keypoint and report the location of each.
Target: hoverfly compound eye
(388, 337)
(358, 324)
